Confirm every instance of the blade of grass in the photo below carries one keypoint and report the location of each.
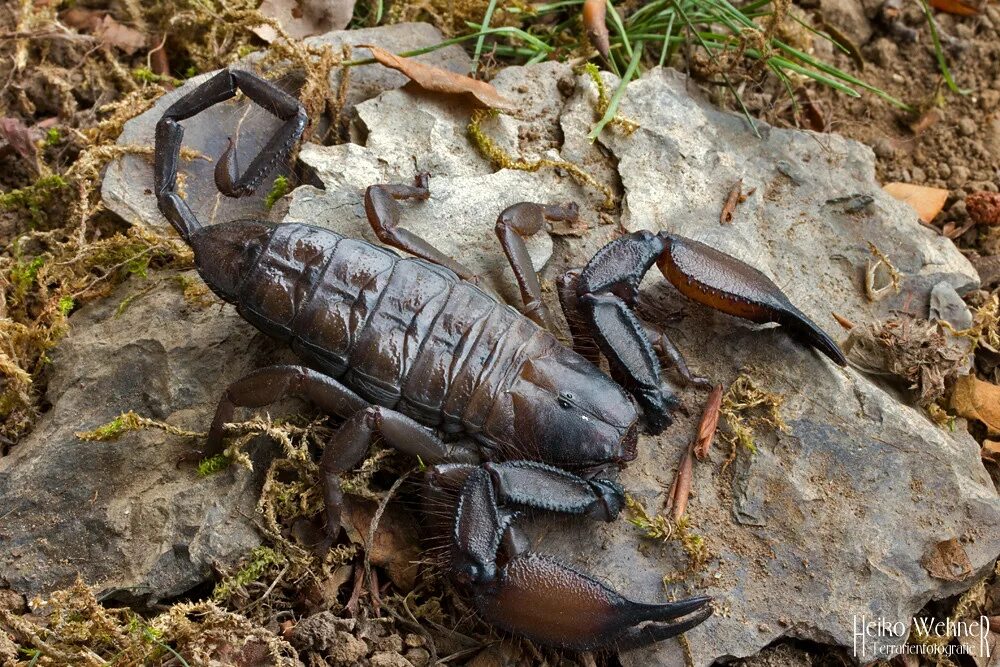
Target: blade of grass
(513, 32)
(939, 51)
(778, 61)
(666, 39)
(487, 17)
(616, 98)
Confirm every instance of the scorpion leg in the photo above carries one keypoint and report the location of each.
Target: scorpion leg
(169, 134)
(383, 215)
(350, 444)
(268, 385)
(609, 285)
(514, 224)
(536, 596)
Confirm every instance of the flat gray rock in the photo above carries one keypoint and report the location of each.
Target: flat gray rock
(826, 523)
(122, 514)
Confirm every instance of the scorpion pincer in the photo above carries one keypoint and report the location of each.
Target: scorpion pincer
(409, 348)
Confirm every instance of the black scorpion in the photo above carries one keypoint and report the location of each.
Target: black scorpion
(410, 349)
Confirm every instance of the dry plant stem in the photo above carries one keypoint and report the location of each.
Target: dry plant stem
(680, 490)
(708, 424)
(873, 291)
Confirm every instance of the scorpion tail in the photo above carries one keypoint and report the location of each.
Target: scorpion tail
(169, 134)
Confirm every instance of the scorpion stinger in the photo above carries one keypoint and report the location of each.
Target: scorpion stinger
(608, 287)
(169, 134)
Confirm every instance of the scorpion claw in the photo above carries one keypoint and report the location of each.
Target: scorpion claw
(542, 599)
(715, 279)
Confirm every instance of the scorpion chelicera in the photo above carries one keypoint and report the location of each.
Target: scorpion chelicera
(411, 349)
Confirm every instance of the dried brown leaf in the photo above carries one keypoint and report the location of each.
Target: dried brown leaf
(680, 490)
(732, 199)
(439, 80)
(19, 136)
(927, 202)
(594, 20)
(924, 123)
(304, 18)
(104, 26)
(975, 399)
(842, 321)
(709, 422)
(957, 7)
(396, 546)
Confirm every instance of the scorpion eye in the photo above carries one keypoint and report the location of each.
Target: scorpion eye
(566, 400)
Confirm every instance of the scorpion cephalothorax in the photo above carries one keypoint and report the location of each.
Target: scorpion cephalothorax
(410, 349)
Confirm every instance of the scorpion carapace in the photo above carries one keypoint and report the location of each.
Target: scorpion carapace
(409, 348)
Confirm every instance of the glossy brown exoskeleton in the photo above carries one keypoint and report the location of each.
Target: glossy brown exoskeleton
(408, 348)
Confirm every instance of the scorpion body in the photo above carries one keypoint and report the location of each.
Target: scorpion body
(403, 333)
(409, 348)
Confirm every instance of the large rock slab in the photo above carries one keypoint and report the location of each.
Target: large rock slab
(123, 514)
(827, 522)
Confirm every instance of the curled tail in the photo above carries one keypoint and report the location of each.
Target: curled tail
(169, 134)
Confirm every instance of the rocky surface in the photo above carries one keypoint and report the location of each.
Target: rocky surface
(122, 514)
(827, 522)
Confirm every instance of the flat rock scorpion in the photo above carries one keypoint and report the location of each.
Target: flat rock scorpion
(409, 348)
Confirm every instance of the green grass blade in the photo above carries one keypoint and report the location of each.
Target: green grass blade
(487, 17)
(939, 51)
(619, 92)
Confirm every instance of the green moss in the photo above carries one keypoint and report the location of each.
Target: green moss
(23, 275)
(53, 137)
(278, 190)
(33, 199)
(259, 560)
(213, 464)
(66, 304)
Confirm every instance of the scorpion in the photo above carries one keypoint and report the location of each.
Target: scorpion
(509, 420)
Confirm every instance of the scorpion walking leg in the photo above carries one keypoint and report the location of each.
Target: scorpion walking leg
(350, 444)
(383, 215)
(516, 223)
(268, 385)
(534, 595)
(169, 134)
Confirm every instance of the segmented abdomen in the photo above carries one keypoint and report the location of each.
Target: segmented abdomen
(403, 333)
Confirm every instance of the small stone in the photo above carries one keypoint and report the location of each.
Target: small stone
(944, 169)
(884, 148)
(391, 643)
(419, 657)
(389, 660)
(883, 52)
(414, 640)
(967, 126)
(347, 650)
(919, 175)
(959, 176)
(12, 601)
(989, 100)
